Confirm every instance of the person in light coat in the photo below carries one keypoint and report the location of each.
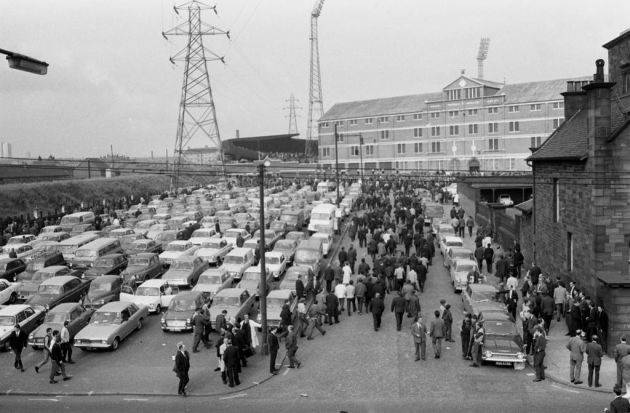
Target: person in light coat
(340, 293)
(254, 326)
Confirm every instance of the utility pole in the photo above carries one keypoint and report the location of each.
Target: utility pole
(337, 162)
(263, 270)
(361, 154)
(111, 148)
(197, 112)
(293, 128)
(315, 100)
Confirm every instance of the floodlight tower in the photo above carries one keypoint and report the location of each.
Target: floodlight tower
(292, 108)
(315, 100)
(482, 55)
(197, 113)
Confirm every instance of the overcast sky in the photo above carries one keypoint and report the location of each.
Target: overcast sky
(110, 80)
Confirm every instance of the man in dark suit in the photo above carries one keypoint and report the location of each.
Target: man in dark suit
(436, 332)
(377, 307)
(299, 287)
(419, 333)
(547, 307)
(232, 363)
(399, 304)
(332, 308)
(56, 358)
(292, 347)
(17, 342)
(594, 355)
(182, 366)
(274, 345)
(540, 345)
(240, 343)
(488, 256)
(221, 322)
(621, 350)
(619, 404)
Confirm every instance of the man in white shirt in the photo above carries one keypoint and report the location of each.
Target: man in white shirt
(399, 274)
(412, 277)
(512, 282)
(66, 345)
(340, 293)
(350, 300)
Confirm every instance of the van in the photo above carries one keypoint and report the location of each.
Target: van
(309, 253)
(69, 247)
(294, 219)
(323, 219)
(77, 222)
(89, 253)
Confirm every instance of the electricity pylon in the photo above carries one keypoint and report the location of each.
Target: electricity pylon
(292, 108)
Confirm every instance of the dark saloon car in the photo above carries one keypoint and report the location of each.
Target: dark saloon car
(77, 316)
(107, 264)
(10, 267)
(180, 312)
(142, 267)
(57, 290)
(103, 290)
(502, 345)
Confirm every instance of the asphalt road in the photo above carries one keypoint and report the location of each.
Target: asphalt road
(352, 368)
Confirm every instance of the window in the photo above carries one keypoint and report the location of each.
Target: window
(354, 150)
(340, 123)
(324, 124)
(417, 116)
(557, 122)
(556, 200)
(535, 107)
(453, 130)
(626, 83)
(472, 93)
(353, 121)
(435, 115)
(384, 134)
(454, 94)
(417, 132)
(453, 113)
(400, 118)
(493, 144)
(472, 111)
(368, 121)
(493, 110)
(535, 141)
(569, 251)
(513, 109)
(493, 127)
(369, 149)
(473, 128)
(340, 137)
(417, 147)
(514, 126)
(435, 131)
(382, 119)
(400, 148)
(558, 105)
(435, 147)
(325, 152)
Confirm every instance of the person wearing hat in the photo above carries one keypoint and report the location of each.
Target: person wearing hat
(594, 355)
(181, 368)
(576, 347)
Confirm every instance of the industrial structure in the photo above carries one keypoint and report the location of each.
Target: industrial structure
(292, 108)
(315, 99)
(197, 121)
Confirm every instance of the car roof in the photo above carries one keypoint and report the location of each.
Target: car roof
(279, 294)
(13, 309)
(154, 282)
(214, 271)
(61, 280)
(185, 258)
(110, 256)
(63, 307)
(187, 294)
(143, 255)
(239, 251)
(460, 249)
(452, 238)
(114, 306)
(179, 242)
(106, 277)
(52, 268)
(483, 288)
(464, 261)
(230, 292)
(274, 254)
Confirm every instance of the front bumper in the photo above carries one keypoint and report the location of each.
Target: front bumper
(92, 344)
(503, 359)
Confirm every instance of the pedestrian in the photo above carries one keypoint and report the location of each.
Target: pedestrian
(398, 308)
(364, 268)
(594, 355)
(422, 270)
(540, 345)
(413, 305)
(340, 293)
(377, 306)
(299, 287)
(488, 255)
(221, 322)
(329, 276)
(502, 268)
(399, 273)
(198, 327)
(232, 363)
(292, 347)
(437, 333)
(352, 257)
(315, 313)
(576, 347)
(547, 306)
(360, 292)
(470, 223)
(602, 327)
(478, 340)
(350, 299)
(240, 342)
(17, 342)
(66, 345)
(419, 333)
(511, 302)
(621, 350)
(274, 345)
(46, 350)
(559, 300)
(619, 404)
(465, 334)
(56, 359)
(342, 257)
(332, 308)
(181, 368)
(479, 253)
(448, 323)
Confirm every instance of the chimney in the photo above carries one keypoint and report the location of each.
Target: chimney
(238, 134)
(598, 94)
(574, 97)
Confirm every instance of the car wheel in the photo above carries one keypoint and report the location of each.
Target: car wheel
(115, 344)
(158, 309)
(13, 298)
(139, 325)
(84, 349)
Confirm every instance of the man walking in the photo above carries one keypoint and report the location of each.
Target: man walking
(398, 308)
(274, 345)
(447, 317)
(182, 366)
(47, 342)
(231, 360)
(198, 328)
(576, 347)
(17, 342)
(419, 333)
(377, 307)
(540, 344)
(621, 350)
(66, 345)
(350, 300)
(559, 299)
(56, 358)
(594, 355)
(488, 255)
(292, 347)
(332, 308)
(437, 333)
(360, 292)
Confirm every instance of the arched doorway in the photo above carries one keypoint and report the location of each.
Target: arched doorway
(474, 165)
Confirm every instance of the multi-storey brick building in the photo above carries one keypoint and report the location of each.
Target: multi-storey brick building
(470, 123)
(581, 178)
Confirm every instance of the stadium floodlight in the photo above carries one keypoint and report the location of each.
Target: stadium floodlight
(25, 63)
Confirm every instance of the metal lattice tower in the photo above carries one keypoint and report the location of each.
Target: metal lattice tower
(197, 114)
(482, 55)
(292, 108)
(315, 100)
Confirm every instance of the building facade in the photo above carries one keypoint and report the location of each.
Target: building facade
(472, 123)
(581, 178)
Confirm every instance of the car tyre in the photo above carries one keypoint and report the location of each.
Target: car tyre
(139, 325)
(13, 298)
(115, 344)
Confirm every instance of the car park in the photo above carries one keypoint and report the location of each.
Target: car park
(237, 261)
(57, 290)
(235, 301)
(287, 247)
(459, 270)
(142, 267)
(30, 283)
(11, 267)
(457, 253)
(177, 249)
(110, 325)
(26, 316)
(75, 314)
(155, 294)
(181, 310)
(107, 264)
(275, 301)
(8, 291)
(103, 290)
(214, 280)
(185, 271)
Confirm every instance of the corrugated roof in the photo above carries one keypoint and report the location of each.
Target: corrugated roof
(526, 206)
(568, 142)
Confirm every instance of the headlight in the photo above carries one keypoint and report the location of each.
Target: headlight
(520, 355)
(163, 321)
(103, 341)
(31, 336)
(188, 321)
(488, 354)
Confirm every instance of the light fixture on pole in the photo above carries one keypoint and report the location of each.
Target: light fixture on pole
(25, 63)
(261, 248)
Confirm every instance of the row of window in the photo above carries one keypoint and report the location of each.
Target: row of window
(455, 113)
(493, 144)
(467, 93)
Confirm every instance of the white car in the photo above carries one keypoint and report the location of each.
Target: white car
(327, 241)
(22, 251)
(232, 234)
(21, 239)
(8, 291)
(177, 249)
(276, 263)
(460, 268)
(214, 250)
(155, 294)
(449, 241)
(202, 235)
(213, 280)
(28, 317)
(506, 200)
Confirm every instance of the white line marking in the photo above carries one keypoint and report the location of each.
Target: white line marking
(256, 383)
(285, 372)
(562, 388)
(233, 396)
(91, 393)
(136, 400)
(9, 391)
(530, 374)
(44, 400)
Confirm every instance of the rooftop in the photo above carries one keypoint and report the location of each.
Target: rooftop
(568, 142)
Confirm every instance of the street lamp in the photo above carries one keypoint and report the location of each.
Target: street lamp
(261, 249)
(25, 63)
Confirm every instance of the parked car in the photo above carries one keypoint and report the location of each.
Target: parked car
(459, 270)
(214, 280)
(236, 301)
(21, 250)
(8, 291)
(111, 324)
(231, 235)
(31, 283)
(144, 245)
(107, 264)
(271, 237)
(477, 294)
(214, 250)
(291, 276)
(57, 290)
(502, 344)
(76, 315)
(275, 302)
(155, 294)
(10, 267)
(237, 261)
(505, 199)
(279, 227)
(276, 263)
(185, 271)
(103, 290)
(298, 236)
(180, 312)
(287, 247)
(202, 235)
(27, 316)
(142, 267)
(448, 241)
(177, 249)
(327, 241)
(457, 253)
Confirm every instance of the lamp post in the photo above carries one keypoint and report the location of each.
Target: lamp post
(25, 63)
(361, 154)
(337, 163)
(261, 248)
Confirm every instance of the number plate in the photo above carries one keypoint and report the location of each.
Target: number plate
(503, 363)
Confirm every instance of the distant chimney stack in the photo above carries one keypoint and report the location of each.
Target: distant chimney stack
(238, 134)
(599, 74)
(574, 97)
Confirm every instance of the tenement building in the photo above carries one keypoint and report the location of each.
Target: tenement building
(581, 179)
(471, 124)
